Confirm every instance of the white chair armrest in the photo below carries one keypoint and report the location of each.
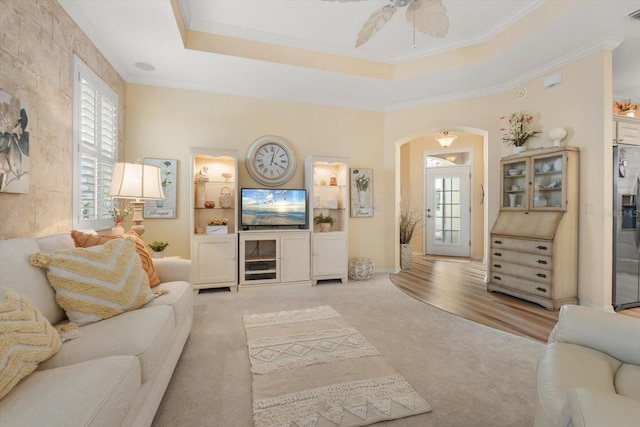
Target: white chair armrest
(614, 334)
(594, 408)
(173, 269)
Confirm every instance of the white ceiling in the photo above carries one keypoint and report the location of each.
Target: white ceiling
(132, 31)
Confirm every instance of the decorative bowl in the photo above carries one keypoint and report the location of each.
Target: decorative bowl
(513, 172)
(227, 176)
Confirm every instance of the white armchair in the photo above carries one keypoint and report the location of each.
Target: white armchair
(589, 373)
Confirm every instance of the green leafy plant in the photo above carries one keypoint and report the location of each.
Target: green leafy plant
(158, 246)
(321, 219)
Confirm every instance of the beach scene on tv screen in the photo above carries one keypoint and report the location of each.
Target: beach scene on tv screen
(273, 207)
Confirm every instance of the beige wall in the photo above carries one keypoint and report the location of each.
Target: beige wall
(582, 105)
(165, 123)
(413, 174)
(36, 48)
(37, 43)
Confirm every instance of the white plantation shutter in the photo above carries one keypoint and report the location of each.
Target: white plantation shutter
(95, 142)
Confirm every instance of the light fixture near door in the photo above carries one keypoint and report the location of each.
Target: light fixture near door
(445, 139)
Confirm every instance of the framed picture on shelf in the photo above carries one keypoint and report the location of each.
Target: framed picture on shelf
(361, 181)
(169, 174)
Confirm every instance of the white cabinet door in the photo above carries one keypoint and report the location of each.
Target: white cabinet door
(214, 262)
(294, 257)
(329, 256)
(628, 133)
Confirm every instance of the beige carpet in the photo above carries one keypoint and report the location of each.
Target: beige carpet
(470, 374)
(311, 368)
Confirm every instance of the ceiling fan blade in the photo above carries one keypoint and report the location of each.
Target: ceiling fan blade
(376, 21)
(430, 17)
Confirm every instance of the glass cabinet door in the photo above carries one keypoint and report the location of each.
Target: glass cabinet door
(514, 184)
(548, 183)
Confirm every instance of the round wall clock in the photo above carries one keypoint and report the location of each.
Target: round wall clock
(271, 161)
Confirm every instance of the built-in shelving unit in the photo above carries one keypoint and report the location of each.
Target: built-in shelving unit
(214, 197)
(326, 181)
(278, 258)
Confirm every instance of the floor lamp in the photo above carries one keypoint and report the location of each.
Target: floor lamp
(138, 182)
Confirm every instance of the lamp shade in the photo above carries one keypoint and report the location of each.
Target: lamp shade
(445, 139)
(136, 181)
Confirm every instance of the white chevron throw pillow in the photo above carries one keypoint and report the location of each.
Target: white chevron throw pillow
(99, 282)
(26, 339)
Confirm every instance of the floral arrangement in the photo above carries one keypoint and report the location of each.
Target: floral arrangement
(362, 182)
(321, 219)
(117, 213)
(409, 222)
(158, 246)
(625, 105)
(217, 221)
(520, 129)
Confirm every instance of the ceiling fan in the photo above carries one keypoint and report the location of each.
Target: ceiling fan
(427, 16)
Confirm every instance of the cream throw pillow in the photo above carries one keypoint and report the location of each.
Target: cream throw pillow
(96, 283)
(26, 339)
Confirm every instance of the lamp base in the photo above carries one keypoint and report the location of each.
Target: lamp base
(137, 219)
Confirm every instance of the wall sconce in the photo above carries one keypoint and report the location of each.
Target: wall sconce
(445, 139)
(138, 182)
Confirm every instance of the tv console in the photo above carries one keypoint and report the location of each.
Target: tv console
(274, 258)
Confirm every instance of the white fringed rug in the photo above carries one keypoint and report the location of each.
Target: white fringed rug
(311, 369)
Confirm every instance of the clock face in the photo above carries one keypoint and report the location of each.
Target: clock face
(271, 161)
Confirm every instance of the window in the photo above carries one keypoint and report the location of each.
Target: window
(95, 142)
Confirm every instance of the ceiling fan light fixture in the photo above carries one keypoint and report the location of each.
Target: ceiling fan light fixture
(445, 139)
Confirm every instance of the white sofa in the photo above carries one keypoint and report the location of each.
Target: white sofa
(115, 373)
(589, 373)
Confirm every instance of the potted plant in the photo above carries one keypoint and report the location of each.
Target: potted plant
(325, 222)
(409, 224)
(520, 129)
(158, 247)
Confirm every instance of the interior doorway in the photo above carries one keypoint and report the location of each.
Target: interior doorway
(447, 198)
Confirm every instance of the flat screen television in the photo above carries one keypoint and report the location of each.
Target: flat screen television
(268, 207)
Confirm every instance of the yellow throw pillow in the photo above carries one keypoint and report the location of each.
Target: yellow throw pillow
(26, 339)
(98, 282)
(86, 240)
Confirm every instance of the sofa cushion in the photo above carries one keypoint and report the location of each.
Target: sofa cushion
(26, 339)
(628, 381)
(565, 366)
(594, 408)
(87, 240)
(177, 295)
(146, 333)
(55, 242)
(17, 273)
(98, 282)
(97, 392)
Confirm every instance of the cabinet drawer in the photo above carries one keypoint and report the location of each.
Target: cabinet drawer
(500, 256)
(543, 247)
(529, 286)
(528, 273)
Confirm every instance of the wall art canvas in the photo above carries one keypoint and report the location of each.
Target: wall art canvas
(14, 145)
(169, 174)
(361, 192)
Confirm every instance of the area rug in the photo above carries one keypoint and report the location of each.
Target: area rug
(310, 368)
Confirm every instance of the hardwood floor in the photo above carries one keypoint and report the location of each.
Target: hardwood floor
(457, 286)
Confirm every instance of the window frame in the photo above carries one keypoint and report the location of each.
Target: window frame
(83, 71)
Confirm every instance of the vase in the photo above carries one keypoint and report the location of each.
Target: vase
(512, 200)
(520, 149)
(406, 256)
(157, 254)
(362, 198)
(325, 226)
(117, 229)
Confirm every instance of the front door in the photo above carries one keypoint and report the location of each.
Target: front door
(447, 221)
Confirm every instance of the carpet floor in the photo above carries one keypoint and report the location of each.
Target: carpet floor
(470, 374)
